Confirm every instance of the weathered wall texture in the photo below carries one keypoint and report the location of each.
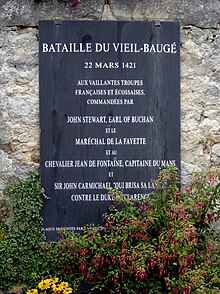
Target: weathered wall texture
(200, 74)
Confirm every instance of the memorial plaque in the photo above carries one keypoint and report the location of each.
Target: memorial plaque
(109, 114)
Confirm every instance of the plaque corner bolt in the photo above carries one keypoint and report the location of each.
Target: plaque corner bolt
(157, 23)
(58, 22)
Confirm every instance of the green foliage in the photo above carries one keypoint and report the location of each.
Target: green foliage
(164, 244)
(4, 214)
(19, 248)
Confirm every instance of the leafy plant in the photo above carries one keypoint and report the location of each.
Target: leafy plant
(164, 244)
(19, 248)
(4, 214)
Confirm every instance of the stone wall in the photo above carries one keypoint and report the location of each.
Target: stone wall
(200, 74)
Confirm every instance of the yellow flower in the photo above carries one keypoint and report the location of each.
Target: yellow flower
(64, 284)
(51, 281)
(54, 280)
(32, 291)
(67, 290)
(57, 288)
(43, 285)
(53, 284)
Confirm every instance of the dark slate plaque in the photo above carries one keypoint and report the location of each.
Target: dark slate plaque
(109, 114)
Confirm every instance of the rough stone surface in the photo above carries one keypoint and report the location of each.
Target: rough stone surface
(200, 74)
(19, 128)
(200, 98)
(201, 13)
(29, 12)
